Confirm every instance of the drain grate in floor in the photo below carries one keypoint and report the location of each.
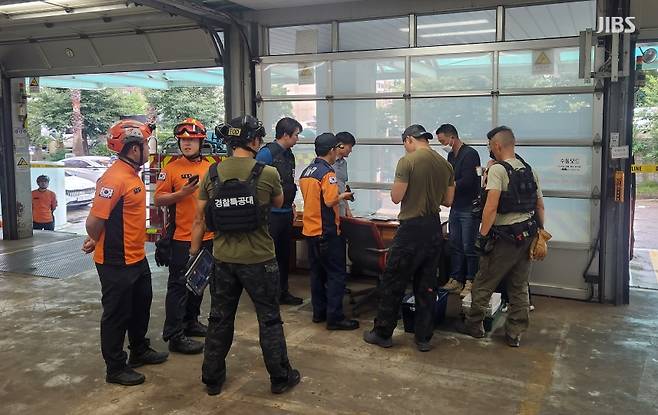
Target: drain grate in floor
(61, 259)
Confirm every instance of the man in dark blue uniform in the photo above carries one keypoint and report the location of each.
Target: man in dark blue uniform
(279, 155)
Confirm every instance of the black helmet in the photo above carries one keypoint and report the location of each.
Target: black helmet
(43, 177)
(240, 131)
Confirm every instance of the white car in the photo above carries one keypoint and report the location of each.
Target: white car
(79, 191)
(87, 167)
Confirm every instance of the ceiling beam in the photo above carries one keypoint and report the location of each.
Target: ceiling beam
(203, 15)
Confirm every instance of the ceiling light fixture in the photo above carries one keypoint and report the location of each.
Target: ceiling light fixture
(448, 24)
(468, 32)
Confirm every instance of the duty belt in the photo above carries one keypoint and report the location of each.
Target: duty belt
(516, 232)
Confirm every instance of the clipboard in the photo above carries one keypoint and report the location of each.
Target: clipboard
(198, 275)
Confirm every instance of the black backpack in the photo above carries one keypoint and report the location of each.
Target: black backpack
(233, 207)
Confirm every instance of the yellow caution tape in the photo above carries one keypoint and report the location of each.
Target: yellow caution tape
(644, 168)
(50, 166)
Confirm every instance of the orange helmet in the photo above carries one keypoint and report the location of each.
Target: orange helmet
(126, 132)
(190, 128)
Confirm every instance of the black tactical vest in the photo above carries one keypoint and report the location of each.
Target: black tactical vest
(284, 162)
(521, 193)
(233, 207)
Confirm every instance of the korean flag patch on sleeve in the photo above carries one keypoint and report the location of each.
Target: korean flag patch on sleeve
(333, 180)
(162, 176)
(106, 192)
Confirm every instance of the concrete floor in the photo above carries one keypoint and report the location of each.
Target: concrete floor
(577, 358)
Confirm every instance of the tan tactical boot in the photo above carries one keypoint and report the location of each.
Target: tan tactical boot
(453, 286)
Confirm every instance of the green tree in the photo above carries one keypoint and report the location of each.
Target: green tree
(175, 104)
(50, 111)
(645, 122)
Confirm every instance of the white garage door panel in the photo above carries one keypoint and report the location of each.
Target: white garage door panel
(560, 274)
(17, 57)
(82, 55)
(187, 45)
(117, 50)
(175, 49)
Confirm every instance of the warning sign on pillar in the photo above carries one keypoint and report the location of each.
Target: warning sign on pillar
(22, 164)
(34, 85)
(542, 62)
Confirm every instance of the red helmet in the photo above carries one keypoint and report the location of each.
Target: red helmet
(126, 132)
(190, 128)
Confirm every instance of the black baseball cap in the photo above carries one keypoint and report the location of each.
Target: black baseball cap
(324, 143)
(416, 131)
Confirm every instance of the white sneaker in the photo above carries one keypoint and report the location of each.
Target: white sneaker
(467, 289)
(453, 286)
(532, 307)
(504, 308)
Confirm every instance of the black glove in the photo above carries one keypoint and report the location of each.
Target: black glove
(484, 244)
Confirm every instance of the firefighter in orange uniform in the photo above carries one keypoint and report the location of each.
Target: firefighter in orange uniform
(44, 203)
(177, 188)
(115, 226)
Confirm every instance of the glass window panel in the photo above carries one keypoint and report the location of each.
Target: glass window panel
(549, 20)
(544, 117)
(300, 39)
(374, 34)
(470, 115)
(559, 168)
(280, 79)
(452, 72)
(374, 164)
(372, 118)
(368, 76)
(568, 220)
(312, 115)
(519, 69)
(455, 28)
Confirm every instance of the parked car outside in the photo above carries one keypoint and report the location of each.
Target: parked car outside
(87, 167)
(79, 191)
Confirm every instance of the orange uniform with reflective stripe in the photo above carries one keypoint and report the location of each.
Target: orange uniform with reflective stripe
(171, 179)
(43, 204)
(120, 200)
(319, 185)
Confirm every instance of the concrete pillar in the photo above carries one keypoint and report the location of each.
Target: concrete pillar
(21, 158)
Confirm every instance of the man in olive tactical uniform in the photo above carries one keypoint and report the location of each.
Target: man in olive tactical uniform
(234, 201)
(512, 214)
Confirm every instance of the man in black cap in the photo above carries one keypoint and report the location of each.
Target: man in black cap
(326, 252)
(424, 181)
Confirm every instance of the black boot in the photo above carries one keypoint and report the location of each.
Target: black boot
(185, 345)
(372, 337)
(289, 299)
(145, 355)
(283, 385)
(194, 328)
(126, 377)
(343, 325)
(214, 389)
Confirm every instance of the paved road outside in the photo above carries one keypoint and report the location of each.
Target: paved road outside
(644, 265)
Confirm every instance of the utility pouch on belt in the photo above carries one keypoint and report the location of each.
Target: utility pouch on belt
(163, 245)
(517, 232)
